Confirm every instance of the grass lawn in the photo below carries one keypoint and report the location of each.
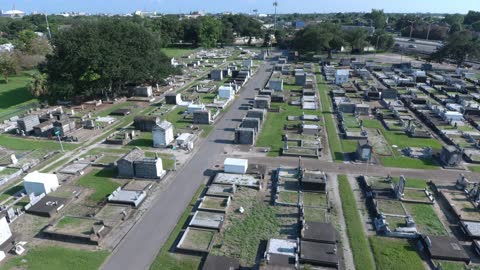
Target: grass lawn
(273, 129)
(395, 254)
(176, 52)
(406, 162)
(474, 168)
(288, 197)
(362, 255)
(17, 143)
(336, 146)
(166, 260)
(412, 182)
(100, 182)
(57, 258)
(244, 234)
(401, 139)
(425, 218)
(14, 96)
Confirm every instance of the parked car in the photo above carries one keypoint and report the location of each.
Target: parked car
(411, 40)
(412, 46)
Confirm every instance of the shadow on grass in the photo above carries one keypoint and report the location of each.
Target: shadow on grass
(141, 142)
(107, 173)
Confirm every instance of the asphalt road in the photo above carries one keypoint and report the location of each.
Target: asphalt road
(140, 246)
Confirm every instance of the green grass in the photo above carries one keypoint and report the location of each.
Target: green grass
(336, 146)
(166, 260)
(409, 163)
(100, 182)
(176, 52)
(15, 98)
(474, 168)
(395, 254)
(426, 219)
(401, 139)
(362, 255)
(17, 143)
(244, 234)
(412, 182)
(57, 258)
(68, 221)
(10, 192)
(273, 128)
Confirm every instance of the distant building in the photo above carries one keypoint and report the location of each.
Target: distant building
(298, 24)
(370, 29)
(14, 13)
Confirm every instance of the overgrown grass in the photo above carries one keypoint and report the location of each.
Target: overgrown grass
(100, 182)
(166, 260)
(244, 235)
(426, 219)
(57, 258)
(395, 254)
(474, 168)
(362, 255)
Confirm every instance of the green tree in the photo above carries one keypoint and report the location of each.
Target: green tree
(459, 47)
(378, 17)
(357, 39)
(324, 37)
(472, 17)
(38, 85)
(382, 40)
(210, 32)
(99, 57)
(25, 40)
(8, 65)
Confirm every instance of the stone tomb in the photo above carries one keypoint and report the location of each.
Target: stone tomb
(245, 136)
(254, 123)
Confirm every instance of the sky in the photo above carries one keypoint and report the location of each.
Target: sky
(246, 6)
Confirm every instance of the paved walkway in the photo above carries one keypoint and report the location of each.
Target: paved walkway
(140, 246)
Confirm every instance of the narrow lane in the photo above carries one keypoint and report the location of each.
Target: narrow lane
(140, 246)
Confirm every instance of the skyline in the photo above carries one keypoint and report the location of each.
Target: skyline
(244, 6)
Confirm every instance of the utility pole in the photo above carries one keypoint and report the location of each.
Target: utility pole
(376, 46)
(411, 27)
(275, 4)
(429, 28)
(48, 27)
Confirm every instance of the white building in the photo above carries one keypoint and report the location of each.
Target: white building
(7, 47)
(162, 134)
(235, 165)
(14, 13)
(5, 232)
(38, 183)
(341, 76)
(452, 116)
(225, 92)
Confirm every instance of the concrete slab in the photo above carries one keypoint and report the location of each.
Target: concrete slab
(209, 220)
(237, 179)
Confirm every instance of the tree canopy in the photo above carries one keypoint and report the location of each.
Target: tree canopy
(99, 57)
(323, 37)
(458, 47)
